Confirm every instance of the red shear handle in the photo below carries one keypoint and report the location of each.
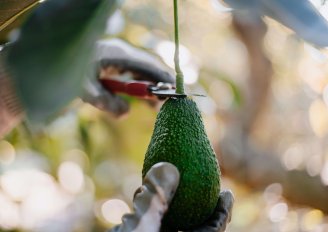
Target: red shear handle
(133, 88)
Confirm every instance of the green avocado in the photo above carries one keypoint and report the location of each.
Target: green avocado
(179, 138)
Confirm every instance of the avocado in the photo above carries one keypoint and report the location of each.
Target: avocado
(179, 138)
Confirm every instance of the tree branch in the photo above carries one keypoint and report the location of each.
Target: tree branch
(243, 162)
(241, 159)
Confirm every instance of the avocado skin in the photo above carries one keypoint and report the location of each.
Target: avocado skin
(179, 138)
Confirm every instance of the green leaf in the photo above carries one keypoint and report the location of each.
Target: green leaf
(50, 59)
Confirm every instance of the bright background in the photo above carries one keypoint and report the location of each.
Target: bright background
(79, 172)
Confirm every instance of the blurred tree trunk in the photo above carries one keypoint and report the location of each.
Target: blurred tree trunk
(241, 159)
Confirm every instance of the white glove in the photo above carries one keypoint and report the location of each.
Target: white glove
(152, 199)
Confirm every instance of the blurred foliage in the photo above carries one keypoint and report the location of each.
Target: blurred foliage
(67, 43)
(79, 173)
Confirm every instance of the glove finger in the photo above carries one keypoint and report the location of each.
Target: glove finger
(221, 216)
(226, 202)
(97, 96)
(110, 103)
(151, 200)
(163, 178)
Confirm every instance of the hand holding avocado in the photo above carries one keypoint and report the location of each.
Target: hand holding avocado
(47, 75)
(152, 200)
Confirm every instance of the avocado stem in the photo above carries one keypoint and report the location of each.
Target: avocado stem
(179, 74)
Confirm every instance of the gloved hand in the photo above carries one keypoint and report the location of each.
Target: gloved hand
(299, 15)
(49, 58)
(46, 66)
(152, 200)
(117, 59)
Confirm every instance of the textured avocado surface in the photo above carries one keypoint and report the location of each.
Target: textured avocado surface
(179, 137)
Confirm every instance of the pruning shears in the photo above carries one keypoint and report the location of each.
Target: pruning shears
(141, 89)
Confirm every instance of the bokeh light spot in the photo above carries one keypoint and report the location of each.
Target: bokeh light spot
(190, 73)
(313, 165)
(71, 177)
(7, 153)
(9, 213)
(113, 210)
(318, 116)
(293, 157)
(324, 173)
(278, 212)
(311, 220)
(42, 203)
(17, 184)
(166, 50)
(272, 193)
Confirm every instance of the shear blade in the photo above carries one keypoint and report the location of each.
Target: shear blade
(168, 93)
